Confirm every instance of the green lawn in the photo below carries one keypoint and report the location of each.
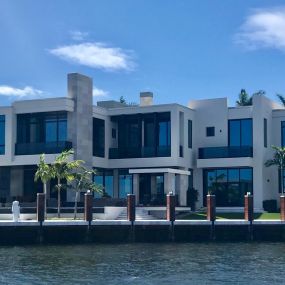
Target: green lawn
(230, 216)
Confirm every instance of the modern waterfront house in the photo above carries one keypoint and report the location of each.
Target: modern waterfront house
(148, 150)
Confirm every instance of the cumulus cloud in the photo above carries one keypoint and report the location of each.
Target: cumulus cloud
(78, 35)
(95, 55)
(97, 92)
(27, 91)
(263, 28)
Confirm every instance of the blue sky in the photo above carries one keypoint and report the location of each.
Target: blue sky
(179, 50)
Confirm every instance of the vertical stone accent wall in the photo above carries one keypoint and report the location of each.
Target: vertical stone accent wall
(80, 122)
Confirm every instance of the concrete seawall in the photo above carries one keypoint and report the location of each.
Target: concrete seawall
(99, 231)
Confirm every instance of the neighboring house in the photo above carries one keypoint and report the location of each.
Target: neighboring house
(148, 149)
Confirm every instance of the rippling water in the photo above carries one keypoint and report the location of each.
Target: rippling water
(200, 263)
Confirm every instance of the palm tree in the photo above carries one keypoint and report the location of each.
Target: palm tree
(82, 181)
(279, 161)
(244, 99)
(63, 169)
(281, 99)
(44, 173)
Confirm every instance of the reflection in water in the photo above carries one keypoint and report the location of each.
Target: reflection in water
(199, 263)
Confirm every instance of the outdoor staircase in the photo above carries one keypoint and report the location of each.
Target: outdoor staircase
(141, 214)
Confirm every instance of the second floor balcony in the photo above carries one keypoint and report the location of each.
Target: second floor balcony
(225, 152)
(143, 152)
(44, 147)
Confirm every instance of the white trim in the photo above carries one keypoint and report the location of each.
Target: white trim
(159, 170)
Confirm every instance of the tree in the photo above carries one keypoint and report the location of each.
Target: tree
(123, 100)
(82, 181)
(244, 99)
(63, 169)
(281, 99)
(279, 161)
(45, 173)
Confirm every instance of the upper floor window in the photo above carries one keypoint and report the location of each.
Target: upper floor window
(210, 131)
(2, 134)
(240, 132)
(265, 132)
(42, 127)
(98, 137)
(189, 133)
(283, 133)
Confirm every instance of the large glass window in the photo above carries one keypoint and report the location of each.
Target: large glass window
(98, 137)
(229, 185)
(104, 178)
(2, 134)
(125, 183)
(42, 127)
(240, 132)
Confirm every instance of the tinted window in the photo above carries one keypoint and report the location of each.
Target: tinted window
(283, 133)
(240, 132)
(265, 132)
(189, 133)
(210, 131)
(98, 137)
(2, 134)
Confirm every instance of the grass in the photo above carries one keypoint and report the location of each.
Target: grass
(231, 216)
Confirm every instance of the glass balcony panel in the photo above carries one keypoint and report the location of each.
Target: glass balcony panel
(225, 152)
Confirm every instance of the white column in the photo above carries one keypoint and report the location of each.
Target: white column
(169, 183)
(136, 187)
(183, 184)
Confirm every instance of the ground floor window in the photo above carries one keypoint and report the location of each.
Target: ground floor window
(125, 183)
(228, 184)
(105, 178)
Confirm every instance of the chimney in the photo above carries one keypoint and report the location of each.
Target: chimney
(146, 99)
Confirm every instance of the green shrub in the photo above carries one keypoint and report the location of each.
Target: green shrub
(270, 206)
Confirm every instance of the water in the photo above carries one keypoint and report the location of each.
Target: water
(199, 263)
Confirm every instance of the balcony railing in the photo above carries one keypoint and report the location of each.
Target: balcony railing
(225, 152)
(45, 147)
(130, 152)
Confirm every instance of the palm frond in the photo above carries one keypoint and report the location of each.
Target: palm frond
(281, 99)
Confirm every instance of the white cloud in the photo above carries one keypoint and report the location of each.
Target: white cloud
(78, 35)
(95, 55)
(27, 91)
(263, 28)
(97, 92)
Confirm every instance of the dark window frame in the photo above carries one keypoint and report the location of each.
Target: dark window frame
(265, 132)
(3, 122)
(240, 131)
(190, 134)
(210, 131)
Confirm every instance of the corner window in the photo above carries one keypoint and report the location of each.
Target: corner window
(2, 134)
(210, 131)
(189, 133)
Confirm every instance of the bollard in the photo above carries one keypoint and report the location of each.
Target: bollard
(41, 205)
(131, 207)
(170, 207)
(282, 208)
(211, 208)
(248, 208)
(88, 207)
